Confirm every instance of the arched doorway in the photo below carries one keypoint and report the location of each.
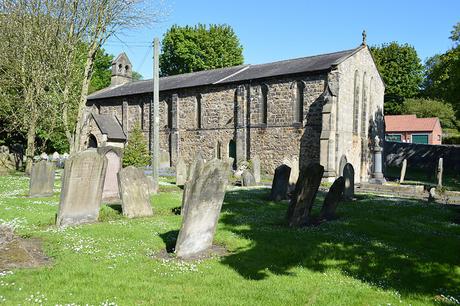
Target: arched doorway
(92, 141)
(232, 151)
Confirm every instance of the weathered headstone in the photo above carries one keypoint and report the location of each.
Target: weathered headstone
(42, 179)
(81, 191)
(164, 159)
(110, 192)
(332, 199)
(134, 192)
(247, 179)
(343, 162)
(280, 183)
(349, 176)
(44, 156)
(7, 163)
(294, 176)
(55, 156)
(403, 171)
(256, 168)
(181, 172)
(439, 172)
(304, 195)
(205, 191)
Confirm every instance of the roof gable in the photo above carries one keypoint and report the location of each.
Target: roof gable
(409, 123)
(110, 126)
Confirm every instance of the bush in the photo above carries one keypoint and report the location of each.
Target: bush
(136, 152)
(425, 108)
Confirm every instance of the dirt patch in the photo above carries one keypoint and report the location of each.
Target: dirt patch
(16, 252)
(215, 251)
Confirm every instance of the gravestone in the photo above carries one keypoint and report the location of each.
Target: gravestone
(280, 183)
(247, 179)
(304, 195)
(349, 176)
(81, 191)
(164, 159)
(343, 162)
(202, 202)
(439, 172)
(7, 163)
(42, 179)
(403, 171)
(110, 192)
(44, 156)
(332, 199)
(134, 192)
(181, 172)
(294, 176)
(55, 157)
(197, 164)
(256, 168)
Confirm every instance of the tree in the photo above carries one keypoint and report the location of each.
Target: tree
(102, 73)
(442, 73)
(136, 152)
(401, 71)
(426, 108)
(189, 49)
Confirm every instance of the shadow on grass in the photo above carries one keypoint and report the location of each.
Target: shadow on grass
(407, 246)
(169, 239)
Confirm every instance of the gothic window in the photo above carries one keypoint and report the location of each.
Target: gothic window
(364, 106)
(298, 89)
(356, 103)
(263, 103)
(218, 150)
(169, 113)
(198, 111)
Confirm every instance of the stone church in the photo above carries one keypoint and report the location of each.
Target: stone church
(326, 108)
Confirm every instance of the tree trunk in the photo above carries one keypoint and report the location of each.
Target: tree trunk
(30, 151)
(83, 96)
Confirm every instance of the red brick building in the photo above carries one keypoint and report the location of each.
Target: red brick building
(409, 128)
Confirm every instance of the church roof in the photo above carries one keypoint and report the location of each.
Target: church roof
(234, 74)
(109, 125)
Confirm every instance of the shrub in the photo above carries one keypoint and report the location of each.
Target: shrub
(136, 152)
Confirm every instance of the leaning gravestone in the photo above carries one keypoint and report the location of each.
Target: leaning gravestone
(247, 179)
(42, 179)
(349, 176)
(332, 199)
(202, 202)
(403, 171)
(110, 192)
(181, 172)
(280, 183)
(256, 168)
(134, 192)
(304, 195)
(81, 191)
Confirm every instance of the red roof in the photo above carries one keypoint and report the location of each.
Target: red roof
(409, 123)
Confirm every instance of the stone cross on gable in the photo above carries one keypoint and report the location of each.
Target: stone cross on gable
(364, 38)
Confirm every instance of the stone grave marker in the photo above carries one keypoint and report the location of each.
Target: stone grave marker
(304, 195)
(343, 162)
(439, 172)
(202, 202)
(349, 176)
(294, 176)
(247, 179)
(7, 163)
(44, 156)
(42, 179)
(181, 172)
(256, 168)
(55, 157)
(403, 171)
(134, 192)
(332, 199)
(164, 159)
(280, 183)
(81, 191)
(110, 192)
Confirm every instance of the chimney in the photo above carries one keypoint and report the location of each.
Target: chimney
(121, 70)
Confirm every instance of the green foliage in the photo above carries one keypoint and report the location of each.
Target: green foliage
(400, 68)
(136, 152)
(189, 49)
(137, 76)
(394, 107)
(425, 108)
(102, 71)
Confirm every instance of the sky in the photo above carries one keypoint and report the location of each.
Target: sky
(277, 30)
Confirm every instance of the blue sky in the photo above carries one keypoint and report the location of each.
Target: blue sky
(277, 30)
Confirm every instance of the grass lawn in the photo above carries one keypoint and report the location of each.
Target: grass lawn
(380, 251)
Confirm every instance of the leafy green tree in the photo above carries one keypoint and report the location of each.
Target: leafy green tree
(442, 73)
(401, 70)
(102, 71)
(136, 152)
(189, 49)
(426, 108)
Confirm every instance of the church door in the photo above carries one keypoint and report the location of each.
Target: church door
(92, 142)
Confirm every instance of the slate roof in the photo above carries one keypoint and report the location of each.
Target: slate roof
(409, 123)
(240, 73)
(109, 125)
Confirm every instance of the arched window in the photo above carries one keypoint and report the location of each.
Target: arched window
(297, 89)
(263, 104)
(92, 141)
(218, 150)
(364, 106)
(198, 111)
(371, 102)
(356, 103)
(169, 112)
